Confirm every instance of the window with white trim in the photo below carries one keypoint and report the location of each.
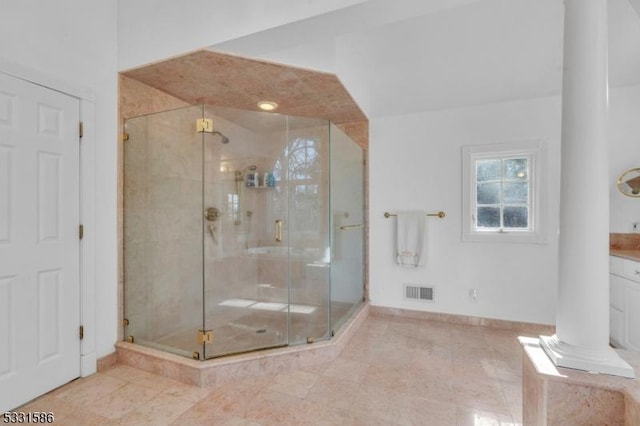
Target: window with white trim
(502, 199)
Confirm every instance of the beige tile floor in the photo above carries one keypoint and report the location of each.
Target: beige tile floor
(395, 371)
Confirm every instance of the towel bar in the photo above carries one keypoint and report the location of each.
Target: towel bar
(439, 214)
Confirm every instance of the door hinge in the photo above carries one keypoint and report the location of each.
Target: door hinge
(205, 336)
(81, 333)
(81, 231)
(81, 129)
(125, 137)
(204, 125)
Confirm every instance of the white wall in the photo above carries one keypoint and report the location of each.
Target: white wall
(415, 159)
(624, 135)
(415, 163)
(152, 30)
(74, 43)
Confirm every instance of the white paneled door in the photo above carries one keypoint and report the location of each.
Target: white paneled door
(39, 244)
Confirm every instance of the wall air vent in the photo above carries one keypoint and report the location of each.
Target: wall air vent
(416, 292)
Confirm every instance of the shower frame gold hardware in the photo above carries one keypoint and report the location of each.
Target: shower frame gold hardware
(278, 235)
(205, 337)
(204, 125)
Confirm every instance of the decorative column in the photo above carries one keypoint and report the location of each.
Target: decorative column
(582, 318)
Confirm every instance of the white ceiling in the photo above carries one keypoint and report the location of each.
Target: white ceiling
(404, 56)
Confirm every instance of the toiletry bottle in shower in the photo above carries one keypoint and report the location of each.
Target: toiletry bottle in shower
(251, 180)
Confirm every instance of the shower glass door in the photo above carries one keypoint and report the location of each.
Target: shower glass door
(246, 246)
(305, 161)
(266, 254)
(348, 225)
(162, 168)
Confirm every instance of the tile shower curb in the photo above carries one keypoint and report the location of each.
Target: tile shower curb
(259, 363)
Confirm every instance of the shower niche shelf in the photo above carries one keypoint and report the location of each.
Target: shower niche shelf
(260, 187)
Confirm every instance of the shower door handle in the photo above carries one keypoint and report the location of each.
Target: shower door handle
(278, 230)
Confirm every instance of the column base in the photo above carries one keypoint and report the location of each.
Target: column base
(569, 356)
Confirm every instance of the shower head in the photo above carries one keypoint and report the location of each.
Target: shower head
(223, 139)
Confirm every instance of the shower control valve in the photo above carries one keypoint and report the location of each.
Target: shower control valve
(211, 214)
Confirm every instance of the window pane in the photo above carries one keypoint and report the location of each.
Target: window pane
(515, 168)
(488, 193)
(516, 217)
(516, 193)
(488, 217)
(487, 170)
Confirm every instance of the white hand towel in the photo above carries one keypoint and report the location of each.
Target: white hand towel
(411, 234)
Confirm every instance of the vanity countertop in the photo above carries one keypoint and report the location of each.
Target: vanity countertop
(631, 254)
(626, 246)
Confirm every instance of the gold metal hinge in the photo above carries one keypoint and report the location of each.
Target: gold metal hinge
(81, 231)
(205, 336)
(81, 332)
(204, 125)
(81, 129)
(125, 322)
(125, 137)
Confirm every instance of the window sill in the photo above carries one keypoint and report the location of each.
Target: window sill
(505, 237)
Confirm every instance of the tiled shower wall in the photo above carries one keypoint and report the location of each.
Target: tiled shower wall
(166, 240)
(163, 223)
(136, 99)
(230, 271)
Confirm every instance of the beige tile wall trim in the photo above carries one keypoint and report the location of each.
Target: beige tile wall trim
(106, 362)
(463, 320)
(579, 397)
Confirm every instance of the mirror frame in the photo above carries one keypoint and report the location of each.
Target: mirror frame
(622, 180)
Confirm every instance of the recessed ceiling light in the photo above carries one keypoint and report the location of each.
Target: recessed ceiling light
(267, 105)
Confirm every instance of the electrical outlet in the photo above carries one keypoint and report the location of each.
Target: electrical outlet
(473, 295)
(635, 227)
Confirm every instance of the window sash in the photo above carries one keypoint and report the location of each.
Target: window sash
(501, 204)
(535, 151)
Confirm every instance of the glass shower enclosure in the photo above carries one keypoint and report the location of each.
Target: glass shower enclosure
(243, 230)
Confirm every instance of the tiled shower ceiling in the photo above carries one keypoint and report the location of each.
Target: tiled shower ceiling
(206, 77)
